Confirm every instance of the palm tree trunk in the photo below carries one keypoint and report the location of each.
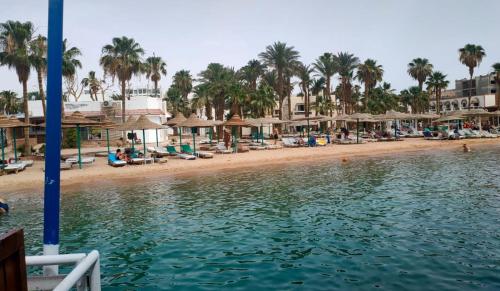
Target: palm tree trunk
(123, 101)
(420, 85)
(366, 96)
(42, 93)
(289, 107)
(280, 93)
(27, 146)
(156, 88)
(497, 93)
(471, 73)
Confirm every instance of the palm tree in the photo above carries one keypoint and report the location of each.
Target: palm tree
(38, 47)
(93, 83)
(70, 64)
(369, 73)
(414, 97)
(326, 67)
(154, 68)
(251, 73)
(471, 55)
(263, 101)
(346, 64)
(304, 73)
(436, 84)
(419, 69)
(383, 99)
(496, 68)
(9, 103)
(183, 81)
(201, 99)
(122, 59)
(281, 58)
(15, 54)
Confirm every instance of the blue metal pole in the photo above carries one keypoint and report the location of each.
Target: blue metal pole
(53, 133)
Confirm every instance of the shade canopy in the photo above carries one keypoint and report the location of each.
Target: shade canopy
(176, 120)
(144, 123)
(265, 120)
(448, 118)
(304, 123)
(316, 117)
(11, 122)
(476, 112)
(77, 118)
(425, 116)
(236, 121)
(127, 125)
(358, 115)
(194, 121)
(107, 123)
(393, 115)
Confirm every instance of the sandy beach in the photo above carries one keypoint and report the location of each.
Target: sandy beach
(31, 180)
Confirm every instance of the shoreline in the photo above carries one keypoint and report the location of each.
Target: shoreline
(100, 174)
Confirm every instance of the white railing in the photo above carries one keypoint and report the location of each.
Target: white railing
(85, 276)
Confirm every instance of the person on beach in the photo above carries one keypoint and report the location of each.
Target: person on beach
(227, 138)
(275, 135)
(4, 207)
(466, 148)
(121, 156)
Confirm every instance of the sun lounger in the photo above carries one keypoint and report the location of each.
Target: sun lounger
(112, 161)
(186, 149)
(28, 163)
(321, 142)
(273, 147)
(66, 166)
(221, 149)
(158, 151)
(85, 160)
(256, 147)
(173, 152)
(14, 168)
(140, 161)
(289, 143)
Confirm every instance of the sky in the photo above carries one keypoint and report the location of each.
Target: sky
(190, 34)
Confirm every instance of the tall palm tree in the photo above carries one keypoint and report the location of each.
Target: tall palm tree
(9, 103)
(496, 68)
(154, 68)
(183, 81)
(326, 67)
(369, 73)
(38, 47)
(70, 63)
(471, 55)
(281, 58)
(202, 99)
(346, 64)
(414, 97)
(436, 83)
(304, 73)
(93, 83)
(15, 54)
(263, 101)
(122, 59)
(419, 69)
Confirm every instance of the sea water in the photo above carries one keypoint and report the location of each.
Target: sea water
(426, 221)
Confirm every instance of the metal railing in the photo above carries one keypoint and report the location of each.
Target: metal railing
(86, 274)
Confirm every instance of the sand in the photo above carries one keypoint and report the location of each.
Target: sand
(31, 180)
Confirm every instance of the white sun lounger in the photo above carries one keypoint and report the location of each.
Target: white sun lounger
(14, 167)
(85, 160)
(221, 149)
(140, 161)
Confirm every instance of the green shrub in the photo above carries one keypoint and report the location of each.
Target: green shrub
(69, 138)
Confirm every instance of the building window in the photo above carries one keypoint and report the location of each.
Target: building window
(300, 107)
(493, 91)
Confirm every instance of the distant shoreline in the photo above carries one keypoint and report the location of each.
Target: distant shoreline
(30, 181)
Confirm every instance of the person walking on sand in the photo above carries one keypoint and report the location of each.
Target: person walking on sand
(275, 135)
(226, 138)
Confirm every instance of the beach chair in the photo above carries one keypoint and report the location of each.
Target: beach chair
(221, 149)
(14, 168)
(186, 149)
(289, 143)
(66, 166)
(112, 161)
(173, 152)
(273, 147)
(321, 142)
(256, 147)
(158, 151)
(85, 160)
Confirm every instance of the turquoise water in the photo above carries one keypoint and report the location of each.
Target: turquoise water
(425, 221)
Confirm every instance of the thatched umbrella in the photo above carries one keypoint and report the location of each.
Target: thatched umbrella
(107, 124)
(179, 118)
(194, 122)
(235, 122)
(357, 117)
(268, 120)
(76, 119)
(128, 125)
(393, 115)
(479, 113)
(11, 122)
(144, 123)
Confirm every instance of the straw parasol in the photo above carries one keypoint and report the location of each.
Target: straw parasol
(357, 117)
(259, 123)
(194, 122)
(143, 123)
(10, 122)
(235, 122)
(179, 117)
(479, 113)
(76, 119)
(394, 115)
(449, 118)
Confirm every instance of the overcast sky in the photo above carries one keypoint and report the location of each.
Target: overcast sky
(190, 34)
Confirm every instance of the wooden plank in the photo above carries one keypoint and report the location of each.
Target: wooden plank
(13, 261)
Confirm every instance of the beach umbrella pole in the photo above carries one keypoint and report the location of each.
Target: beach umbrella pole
(107, 139)
(193, 131)
(133, 141)
(14, 143)
(262, 134)
(308, 131)
(157, 137)
(3, 150)
(180, 136)
(144, 144)
(78, 145)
